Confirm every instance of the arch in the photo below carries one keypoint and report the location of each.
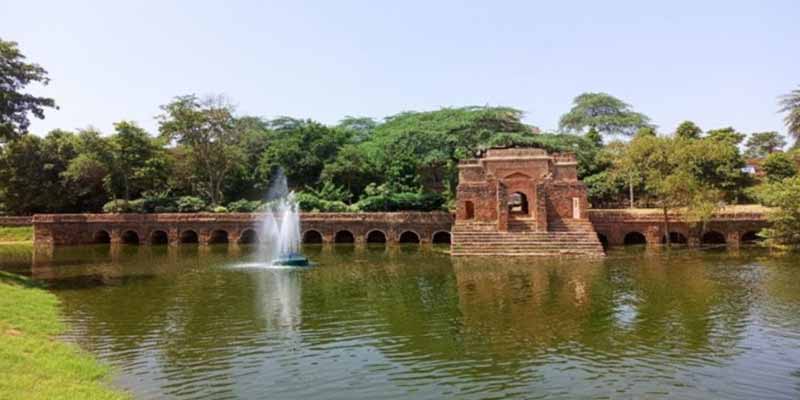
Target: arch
(189, 236)
(518, 203)
(344, 236)
(159, 237)
(130, 237)
(634, 238)
(312, 237)
(751, 237)
(675, 238)
(218, 236)
(409, 237)
(469, 210)
(101, 236)
(376, 236)
(248, 236)
(441, 237)
(603, 240)
(712, 237)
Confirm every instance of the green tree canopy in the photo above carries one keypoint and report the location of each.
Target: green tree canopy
(761, 144)
(604, 113)
(423, 148)
(208, 127)
(779, 166)
(688, 130)
(15, 105)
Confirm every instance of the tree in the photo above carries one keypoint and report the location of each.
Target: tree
(31, 174)
(761, 144)
(784, 230)
(604, 113)
(688, 130)
(301, 149)
(790, 104)
(727, 134)
(138, 162)
(361, 128)
(779, 166)
(208, 127)
(15, 105)
(669, 170)
(88, 175)
(423, 148)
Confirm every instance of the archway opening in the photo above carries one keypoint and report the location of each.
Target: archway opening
(312, 237)
(675, 238)
(218, 237)
(344, 237)
(469, 210)
(635, 238)
(751, 237)
(518, 204)
(441, 237)
(603, 240)
(130, 237)
(189, 237)
(376, 237)
(101, 237)
(248, 236)
(409, 237)
(159, 237)
(713, 238)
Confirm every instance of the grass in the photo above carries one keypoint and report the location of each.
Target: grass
(16, 234)
(33, 363)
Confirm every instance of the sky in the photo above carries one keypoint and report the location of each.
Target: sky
(718, 63)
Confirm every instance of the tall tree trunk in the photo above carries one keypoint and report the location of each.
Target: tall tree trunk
(631, 190)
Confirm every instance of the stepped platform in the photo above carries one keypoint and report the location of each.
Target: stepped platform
(563, 238)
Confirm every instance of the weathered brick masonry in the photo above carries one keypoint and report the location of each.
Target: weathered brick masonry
(205, 228)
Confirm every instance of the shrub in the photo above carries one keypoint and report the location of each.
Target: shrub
(244, 206)
(219, 209)
(309, 202)
(404, 201)
(123, 206)
(190, 204)
(161, 202)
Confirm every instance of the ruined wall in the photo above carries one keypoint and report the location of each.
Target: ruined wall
(614, 225)
(73, 229)
(559, 199)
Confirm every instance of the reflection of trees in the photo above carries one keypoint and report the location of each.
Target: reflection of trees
(508, 315)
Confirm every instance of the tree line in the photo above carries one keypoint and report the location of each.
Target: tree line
(206, 157)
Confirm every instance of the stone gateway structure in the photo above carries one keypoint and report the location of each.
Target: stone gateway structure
(522, 202)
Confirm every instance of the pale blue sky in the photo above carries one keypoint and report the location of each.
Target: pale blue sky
(718, 63)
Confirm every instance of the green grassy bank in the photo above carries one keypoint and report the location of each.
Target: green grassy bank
(10, 234)
(34, 364)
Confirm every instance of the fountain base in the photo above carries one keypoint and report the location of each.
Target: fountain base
(292, 260)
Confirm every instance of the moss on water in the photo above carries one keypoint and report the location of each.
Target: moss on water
(33, 363)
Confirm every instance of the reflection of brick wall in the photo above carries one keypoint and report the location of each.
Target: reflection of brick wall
(16, 221)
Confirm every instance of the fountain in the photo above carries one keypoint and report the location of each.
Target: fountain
(280, 227)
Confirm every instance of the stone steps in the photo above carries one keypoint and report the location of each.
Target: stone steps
(563, 238)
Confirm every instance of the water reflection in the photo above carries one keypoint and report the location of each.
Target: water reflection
(388, 323)
(278, 294)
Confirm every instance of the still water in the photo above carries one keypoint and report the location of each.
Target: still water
(190, 323)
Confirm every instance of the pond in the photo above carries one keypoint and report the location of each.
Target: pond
(195, 323)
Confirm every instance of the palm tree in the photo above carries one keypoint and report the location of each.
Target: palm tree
(790, 103)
